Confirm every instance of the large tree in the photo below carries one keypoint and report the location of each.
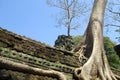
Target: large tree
(70, 12)
(96, 68)
(92, 48)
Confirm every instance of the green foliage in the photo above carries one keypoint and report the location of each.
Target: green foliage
(113, 58)
(109, 45)
(76, 40)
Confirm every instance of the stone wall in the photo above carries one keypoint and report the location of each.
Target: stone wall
(36, 54)
(14, 75)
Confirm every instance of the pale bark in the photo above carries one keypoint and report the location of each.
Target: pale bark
(6, 64)
(97, 67)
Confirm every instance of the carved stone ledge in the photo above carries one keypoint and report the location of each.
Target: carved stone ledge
(34, 61)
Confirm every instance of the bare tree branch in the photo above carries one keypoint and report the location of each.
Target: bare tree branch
(113, 11)
(114, 18)
(112, 25)
(71, 9)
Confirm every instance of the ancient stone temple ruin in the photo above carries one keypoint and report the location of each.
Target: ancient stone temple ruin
(22, 50)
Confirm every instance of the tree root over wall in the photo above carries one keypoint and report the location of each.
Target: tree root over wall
(6, 64)
(97, 67)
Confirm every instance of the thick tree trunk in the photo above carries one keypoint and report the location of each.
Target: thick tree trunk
(69, 27)
(97, 67)
(6, 64)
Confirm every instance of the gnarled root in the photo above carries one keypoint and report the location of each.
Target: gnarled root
(10, 65)
(95, 70)
(97, 67)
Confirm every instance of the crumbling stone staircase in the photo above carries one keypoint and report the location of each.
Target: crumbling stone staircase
(26, 51)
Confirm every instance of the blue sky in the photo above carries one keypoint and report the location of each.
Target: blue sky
(32, 18)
